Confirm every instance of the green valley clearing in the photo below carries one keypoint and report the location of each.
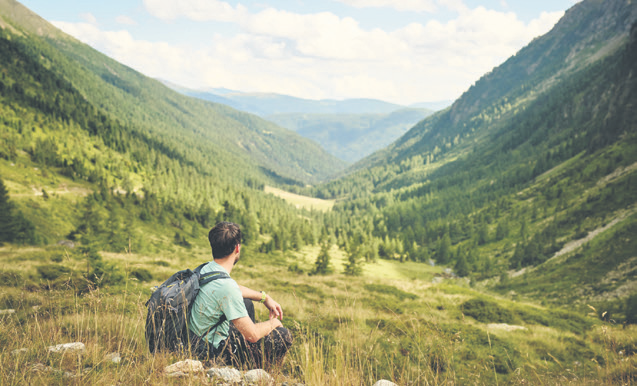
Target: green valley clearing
(299, 201)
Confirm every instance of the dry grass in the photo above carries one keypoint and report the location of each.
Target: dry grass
(348, 331)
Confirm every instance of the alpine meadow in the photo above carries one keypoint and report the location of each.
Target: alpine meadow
(493, 242)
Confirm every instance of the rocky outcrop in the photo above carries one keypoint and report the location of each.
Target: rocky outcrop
(75, 347)
(384, 382)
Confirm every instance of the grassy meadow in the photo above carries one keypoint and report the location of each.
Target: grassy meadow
(299, 201)
(390, 323)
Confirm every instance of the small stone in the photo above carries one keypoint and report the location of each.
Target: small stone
(113, 357)
(505, 327)
(256, 376)
(384, 382)
(7, 312)
(19, 351)
(225, 374)
(437, 280)
(187, 366)
(77, 347)
(41, 368)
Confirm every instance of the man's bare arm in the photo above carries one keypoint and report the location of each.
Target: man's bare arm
(255, 331)
(275, 308)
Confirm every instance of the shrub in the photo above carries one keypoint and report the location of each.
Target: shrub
(141, 274)
(11, 278)
(486, 311)
(52, 271)
(294, 268)
(631, 309)
(389, 290)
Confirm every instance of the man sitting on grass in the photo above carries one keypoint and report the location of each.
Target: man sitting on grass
(222, 316)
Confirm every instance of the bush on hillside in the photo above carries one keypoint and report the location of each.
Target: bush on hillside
(52, 271)
(631, 309)
(11, 278)
(141, 274)
(390, 290)
(486, 311)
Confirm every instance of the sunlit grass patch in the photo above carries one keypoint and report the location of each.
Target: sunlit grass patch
(305, 202)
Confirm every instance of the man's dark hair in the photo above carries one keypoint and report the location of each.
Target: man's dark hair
(223, 238)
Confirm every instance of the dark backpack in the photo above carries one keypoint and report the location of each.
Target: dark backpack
(169, 309)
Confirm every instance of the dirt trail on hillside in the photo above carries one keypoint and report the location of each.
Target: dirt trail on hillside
(573, 245)
(62, 189)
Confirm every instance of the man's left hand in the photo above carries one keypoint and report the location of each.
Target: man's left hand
(275, 308)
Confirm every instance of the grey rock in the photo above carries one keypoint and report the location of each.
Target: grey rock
(113, 357)
(257, 376)
(66, 243)
(19, 351)
(187, 366)
(225, 374)
(76, 347)
(437, 280)
(41, 368)
(384, 382)
(7, 312)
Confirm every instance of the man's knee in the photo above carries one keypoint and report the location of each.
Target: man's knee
(282, 334)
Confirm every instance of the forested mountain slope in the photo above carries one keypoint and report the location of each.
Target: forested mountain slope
(538, 153)
(95, 152)
(214, 133)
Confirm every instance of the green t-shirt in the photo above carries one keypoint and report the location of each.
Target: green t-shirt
(215, 299)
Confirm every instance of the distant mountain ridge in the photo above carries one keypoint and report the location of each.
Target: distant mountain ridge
(351, 137)
(349, 129)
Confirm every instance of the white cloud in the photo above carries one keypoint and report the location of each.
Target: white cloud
(125, 20)
(400, 5)
(323, 55)
(198, 10)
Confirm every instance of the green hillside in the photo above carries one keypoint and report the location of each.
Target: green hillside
(209, 131)
(538, 154)
(351, 137)
(83, 158)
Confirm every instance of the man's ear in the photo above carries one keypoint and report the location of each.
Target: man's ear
(237, 248)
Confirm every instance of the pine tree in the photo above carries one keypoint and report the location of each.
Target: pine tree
(322, 264)
(353, 266)
(443, 254)
(7, 223)
(462, 268)
(14, 227)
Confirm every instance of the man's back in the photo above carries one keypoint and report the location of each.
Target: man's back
(215, 299)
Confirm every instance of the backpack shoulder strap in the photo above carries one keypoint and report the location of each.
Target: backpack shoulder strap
(198, 269)
(211, 276)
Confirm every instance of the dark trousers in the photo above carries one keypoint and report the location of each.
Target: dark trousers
(236, 351)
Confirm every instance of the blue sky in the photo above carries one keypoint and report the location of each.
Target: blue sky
(402, 51)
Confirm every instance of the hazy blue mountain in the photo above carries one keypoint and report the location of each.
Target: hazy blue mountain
(351, 137)
(435, 106)
(264, 104)
(349, 129)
